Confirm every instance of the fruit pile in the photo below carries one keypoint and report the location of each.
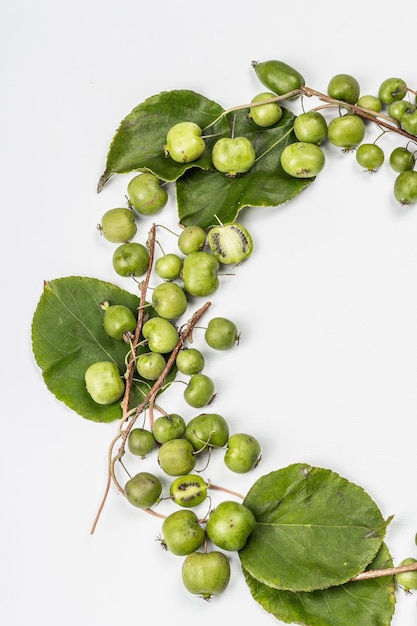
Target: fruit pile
(121, 352)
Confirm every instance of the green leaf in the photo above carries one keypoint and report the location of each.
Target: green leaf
(314, 529)
(203, 195)
(138, 144)
(368, 602)
(68, 336)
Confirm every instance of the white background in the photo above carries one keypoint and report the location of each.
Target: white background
(326, 369)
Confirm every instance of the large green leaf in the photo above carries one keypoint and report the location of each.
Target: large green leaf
(315, 529)
(204, 196)
(366, 603)
(139, 141)
(68, 336)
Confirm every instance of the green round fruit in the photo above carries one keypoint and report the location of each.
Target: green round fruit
(401, 159)
(189, 490)
(168, 427)
(199, 391)
(191, 239)
(118, 320)
(182, 533)
(370, 156)
(346, 131)
(370, 102)
(169, 300)
(302, 159)
(408, 121)
(146, 194)
(398, 108)
(311, 127)
(143, 490)
(265, 115)
(344, 87)
(199, 273)
(177, 457)
(190, 361)
(207, 430)
(221, 333)
(230, 243)
(243, 453)
(233, 155)
(405, 187)
(392, 89)
(169, 266)
(118, 225)
(150, 365)
(161, 334)
(131, 259)
(278, 77)
(230, 524)
(206, 574)
(407, 580)
(104, 383)
(141, 442)
(184, 143)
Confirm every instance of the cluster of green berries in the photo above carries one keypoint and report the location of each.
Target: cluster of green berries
(174, 443)
(305, 157)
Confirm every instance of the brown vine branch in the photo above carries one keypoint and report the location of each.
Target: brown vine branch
(388, 571)
(148, 400)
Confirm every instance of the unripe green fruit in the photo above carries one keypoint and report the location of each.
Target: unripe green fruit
(302, 159)
(221, 333)
(407, 580)
(402, 159)
(265, 115)
(131, 259)
(207, 430)
(370, 102)
(199, 273)
(199, 390)
(169, 300)
(278, 77)
(397, 109)
(408, 121)
(206, 573)
(141, 442)
(310, 127)
(146, 195)
(184, 143)
(161, 334)
(189, 490)
(143, 490)
(230, 524)
(346, 131)
(344, 87)
(169, 266)
(118, 319)
(150, 365)
(168, 427)
(190, 361)
(182, 534)
(104, 383)
(392, 89)
(191, 239)
(370, 156)
(243, 453)
(176, 457)
(230, 243)
(405, 187)
(118, 225)
(233, 155)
